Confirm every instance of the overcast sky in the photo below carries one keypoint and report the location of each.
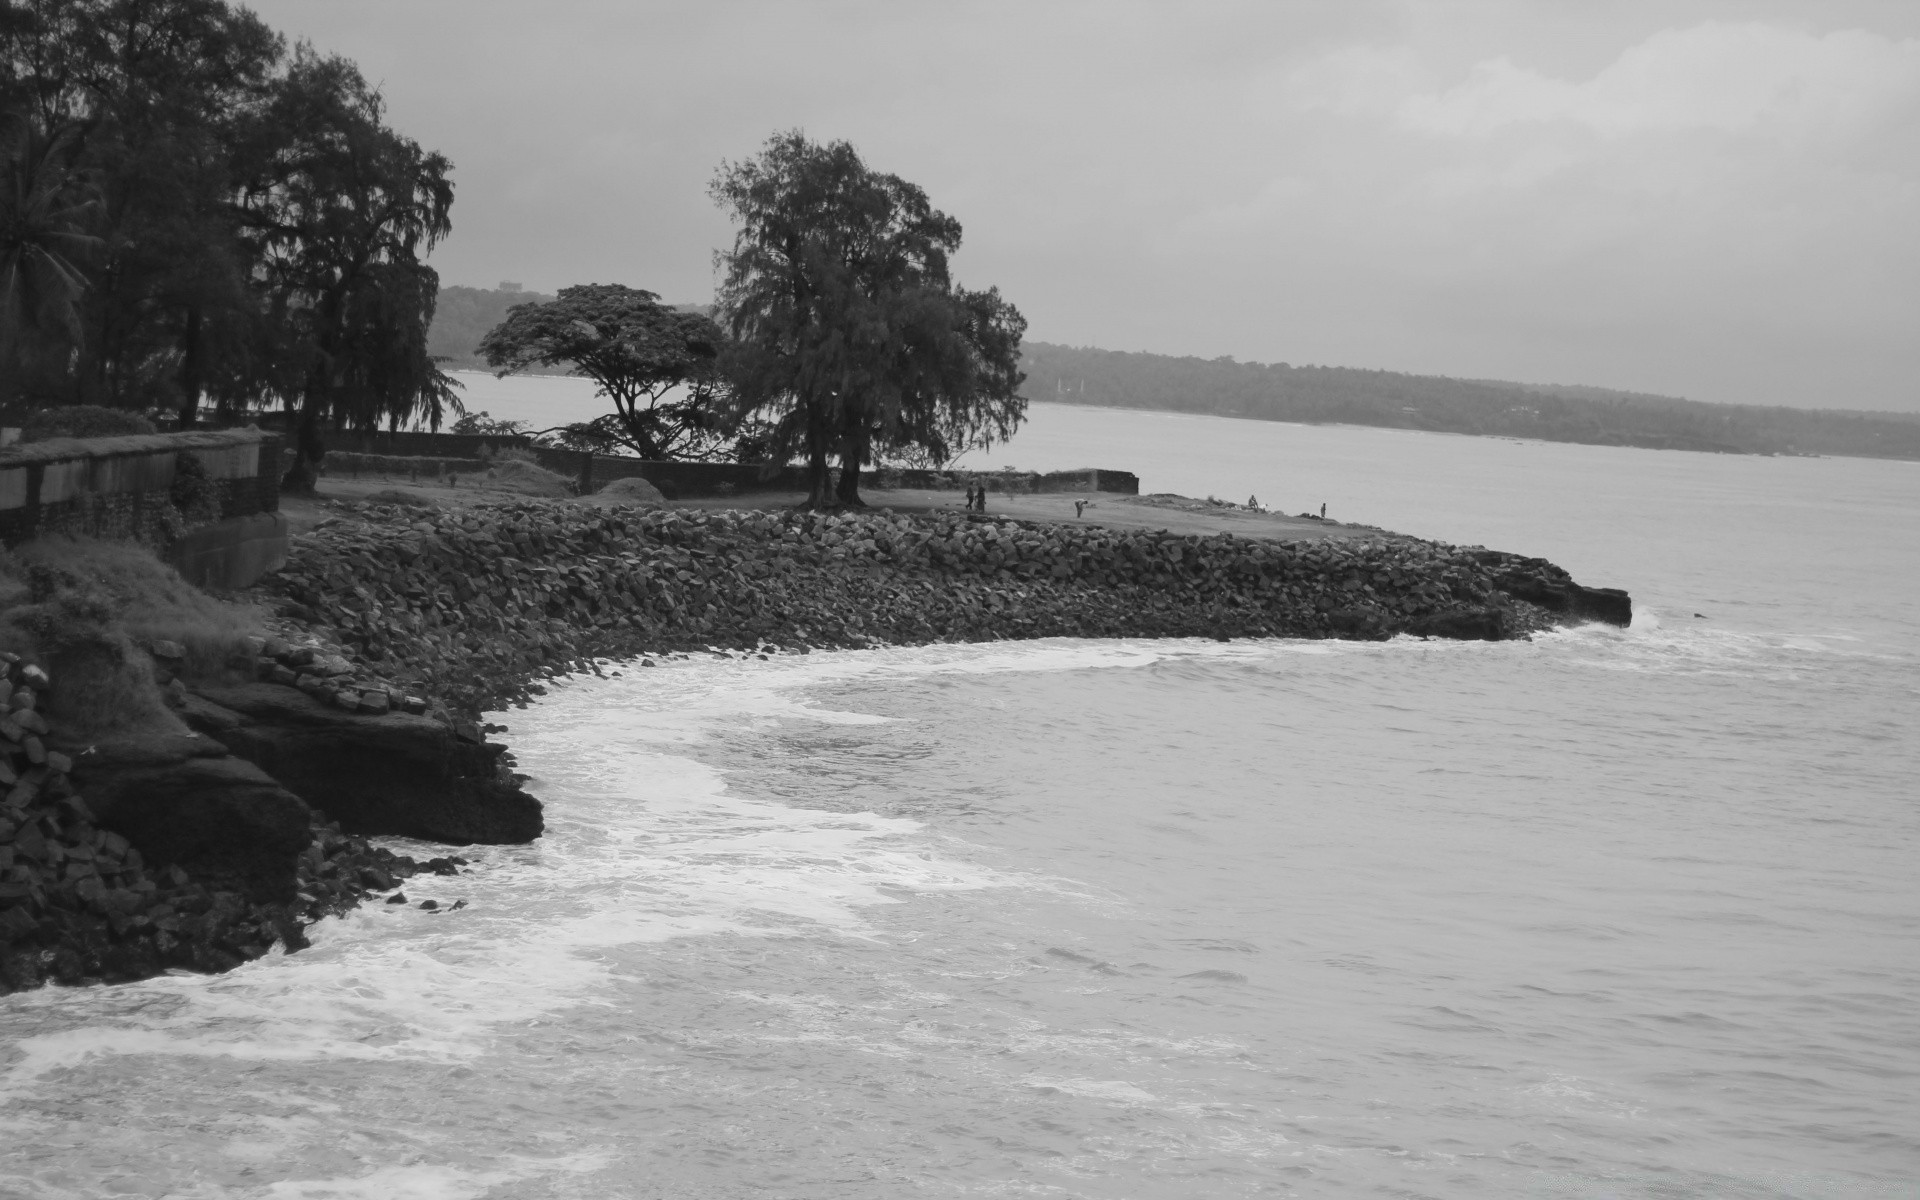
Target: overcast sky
(1712, 200)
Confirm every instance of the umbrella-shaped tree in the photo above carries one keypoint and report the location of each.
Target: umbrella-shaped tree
(657, 364)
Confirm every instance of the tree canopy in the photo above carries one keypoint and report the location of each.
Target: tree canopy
(849, 338)
(197, 212)
(337, 212)
(659, 366)
(45, 210)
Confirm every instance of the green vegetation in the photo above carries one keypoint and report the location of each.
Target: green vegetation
(92, 611)
(83, 420)
(849, 337)
(1557, 413)
(189, 211)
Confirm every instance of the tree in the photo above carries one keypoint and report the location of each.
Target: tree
(485, 423)
(338, 210)
(848, 334)
(150, 91)
(639, 352)
(45, 211)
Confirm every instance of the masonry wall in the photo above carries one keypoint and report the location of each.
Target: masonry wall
(437, 455)
(686, 480)
(122, 487)
(423, 444)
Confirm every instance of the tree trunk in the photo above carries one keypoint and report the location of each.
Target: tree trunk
(307, 449)
(819, 485)
(190, 371)
(848, 491)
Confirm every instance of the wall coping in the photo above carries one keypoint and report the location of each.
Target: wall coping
(68, 449)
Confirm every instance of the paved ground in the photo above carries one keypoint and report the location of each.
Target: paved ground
(1176, 514)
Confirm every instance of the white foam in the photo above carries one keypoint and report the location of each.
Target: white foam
(425, 1182)
(1112, 1091)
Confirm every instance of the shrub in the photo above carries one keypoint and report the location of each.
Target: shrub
(193, 493)
(83, 420)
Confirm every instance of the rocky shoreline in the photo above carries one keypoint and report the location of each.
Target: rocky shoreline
(475, 606)
(400, 627)
(185, 858)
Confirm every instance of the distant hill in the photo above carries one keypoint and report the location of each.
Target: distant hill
(1551, 412)
(463, 317)
(1351, 396)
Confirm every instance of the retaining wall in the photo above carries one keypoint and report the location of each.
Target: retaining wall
(423, 444)
(687, 480)
(123, 487)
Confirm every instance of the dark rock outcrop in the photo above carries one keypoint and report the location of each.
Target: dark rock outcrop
(1466, 624)
(186, 802)
(1537, 581)
(385, 773)
(196, 860)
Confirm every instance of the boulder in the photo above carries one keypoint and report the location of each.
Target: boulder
(1475, 624)
(390, 773)
(182, 800)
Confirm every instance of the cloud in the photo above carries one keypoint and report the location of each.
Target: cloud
(1354, 81)
(1729, 78)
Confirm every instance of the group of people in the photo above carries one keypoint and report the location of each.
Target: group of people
(977, 498)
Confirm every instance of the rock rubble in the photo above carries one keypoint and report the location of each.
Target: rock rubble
(474, 607)
(81, 901)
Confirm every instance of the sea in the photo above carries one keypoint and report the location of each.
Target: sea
(1623, 913)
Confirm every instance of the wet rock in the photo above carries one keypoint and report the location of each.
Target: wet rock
(394, 773)
(84, 901)
(218, 817)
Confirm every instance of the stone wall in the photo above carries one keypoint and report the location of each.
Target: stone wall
(690, 480)
(414, 444)
(452, 455)
(123, 487)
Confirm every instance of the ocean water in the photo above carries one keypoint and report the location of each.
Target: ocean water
(1611, 913)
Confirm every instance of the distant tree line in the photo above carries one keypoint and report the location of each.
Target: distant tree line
(1557, 413)
(193, 213)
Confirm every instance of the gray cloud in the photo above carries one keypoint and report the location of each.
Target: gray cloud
(1709, 199)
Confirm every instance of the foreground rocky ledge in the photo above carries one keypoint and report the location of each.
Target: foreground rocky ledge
(179, 855)
(399, 629)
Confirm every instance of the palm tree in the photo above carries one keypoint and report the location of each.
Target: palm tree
(45, 209)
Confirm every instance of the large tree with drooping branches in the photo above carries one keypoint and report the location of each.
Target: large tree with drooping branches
(848, 337)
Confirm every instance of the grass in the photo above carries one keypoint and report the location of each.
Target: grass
(91, 610)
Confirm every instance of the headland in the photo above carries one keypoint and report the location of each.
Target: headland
(403, 615)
